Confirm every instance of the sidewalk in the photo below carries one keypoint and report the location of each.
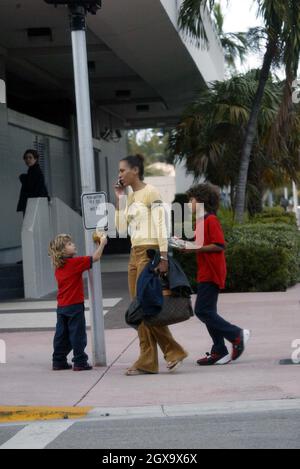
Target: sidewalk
(274, 318)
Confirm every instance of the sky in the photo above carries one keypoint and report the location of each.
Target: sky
(240, 15)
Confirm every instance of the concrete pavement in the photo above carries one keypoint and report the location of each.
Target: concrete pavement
(274, 318)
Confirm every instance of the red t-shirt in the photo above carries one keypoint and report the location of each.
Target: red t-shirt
(70, 281)
(211, 266)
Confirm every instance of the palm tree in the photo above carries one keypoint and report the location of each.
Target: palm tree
(235, 45)
(282, 23)
(211, 134)
(281, 31)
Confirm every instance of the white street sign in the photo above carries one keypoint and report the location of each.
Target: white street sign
(94, 211)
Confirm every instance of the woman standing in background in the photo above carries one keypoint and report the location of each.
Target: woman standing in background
(33, 183)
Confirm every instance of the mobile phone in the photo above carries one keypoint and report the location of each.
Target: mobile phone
(120, 183)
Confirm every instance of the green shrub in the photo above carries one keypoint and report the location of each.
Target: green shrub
(263, 257)
(189, 264)
(226, 217)
(275, 215)
(260, 257)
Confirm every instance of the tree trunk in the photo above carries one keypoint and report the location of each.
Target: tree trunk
(252, 130)
(255, 199)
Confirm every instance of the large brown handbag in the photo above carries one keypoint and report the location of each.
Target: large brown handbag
(175, 310)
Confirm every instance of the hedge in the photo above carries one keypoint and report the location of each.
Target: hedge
(260, 257)
(275, 215)
(263, 257)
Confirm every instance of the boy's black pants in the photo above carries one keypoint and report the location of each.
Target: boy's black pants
(206, 311)
(70, 335)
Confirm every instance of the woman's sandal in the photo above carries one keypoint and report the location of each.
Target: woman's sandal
(172, 366)
(134, 372)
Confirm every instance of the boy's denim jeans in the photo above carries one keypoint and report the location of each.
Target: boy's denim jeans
(70, 335)
(206, 311)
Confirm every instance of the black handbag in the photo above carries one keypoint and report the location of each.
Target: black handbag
(134, 315)
(175, 310)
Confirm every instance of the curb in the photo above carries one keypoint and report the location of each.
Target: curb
(194, 410)
(30, 414)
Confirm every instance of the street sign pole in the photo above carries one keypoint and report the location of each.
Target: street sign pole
(78, 11)
(86, 153)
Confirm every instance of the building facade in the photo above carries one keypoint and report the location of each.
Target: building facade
(142, 70)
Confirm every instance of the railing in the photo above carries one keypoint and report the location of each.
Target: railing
(43, 221)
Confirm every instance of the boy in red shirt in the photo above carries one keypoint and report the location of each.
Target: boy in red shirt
(211, 278)
(71, 326)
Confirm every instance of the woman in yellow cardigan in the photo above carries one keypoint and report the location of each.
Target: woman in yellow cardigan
(142, 215)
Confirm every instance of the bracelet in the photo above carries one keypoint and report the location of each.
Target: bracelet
(164, 259)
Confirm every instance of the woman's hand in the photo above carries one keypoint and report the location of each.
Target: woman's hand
(163, 267)
(119, 190)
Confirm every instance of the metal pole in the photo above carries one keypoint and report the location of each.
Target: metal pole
(87, 168)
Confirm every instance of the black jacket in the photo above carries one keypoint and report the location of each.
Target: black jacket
(33, 186)
(176, 278)
(150, 286)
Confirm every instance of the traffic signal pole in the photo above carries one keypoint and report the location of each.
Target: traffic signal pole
(78, 11)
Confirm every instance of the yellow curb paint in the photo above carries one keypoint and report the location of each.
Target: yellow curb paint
(27, 414)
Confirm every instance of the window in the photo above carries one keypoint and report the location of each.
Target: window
(41, 145)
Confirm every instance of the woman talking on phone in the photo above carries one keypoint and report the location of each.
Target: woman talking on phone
(142, 216)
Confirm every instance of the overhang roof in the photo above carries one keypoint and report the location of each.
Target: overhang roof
(140, 67)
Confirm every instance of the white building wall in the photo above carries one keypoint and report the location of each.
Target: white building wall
(166, 186)
(19, 132)
(183, 180)
(209, 60)
(109, 155)
(22, 132)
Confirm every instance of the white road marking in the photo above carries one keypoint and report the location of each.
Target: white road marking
(33, 320)
(37, 435)
(36, 305)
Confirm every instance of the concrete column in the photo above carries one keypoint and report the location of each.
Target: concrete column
(295, 197)
(286, 193)
(296, 203)
(6, 233)
(270, 199)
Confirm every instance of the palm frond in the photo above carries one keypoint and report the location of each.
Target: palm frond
(191, 19)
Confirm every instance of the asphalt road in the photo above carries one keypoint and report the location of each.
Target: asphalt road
(261, 430)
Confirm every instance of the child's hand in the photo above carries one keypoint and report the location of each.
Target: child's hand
(100, 238)
(103, 240)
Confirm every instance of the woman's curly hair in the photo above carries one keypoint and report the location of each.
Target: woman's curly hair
(56, 250)
(207, 194)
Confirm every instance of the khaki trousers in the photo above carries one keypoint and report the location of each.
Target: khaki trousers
(150, 337)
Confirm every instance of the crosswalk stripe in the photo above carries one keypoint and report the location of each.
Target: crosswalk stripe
(23, 316)
(42, 305)
(37, 435)
(33, 320)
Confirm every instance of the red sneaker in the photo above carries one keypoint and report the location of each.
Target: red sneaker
(214, 359)
(239, 344)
